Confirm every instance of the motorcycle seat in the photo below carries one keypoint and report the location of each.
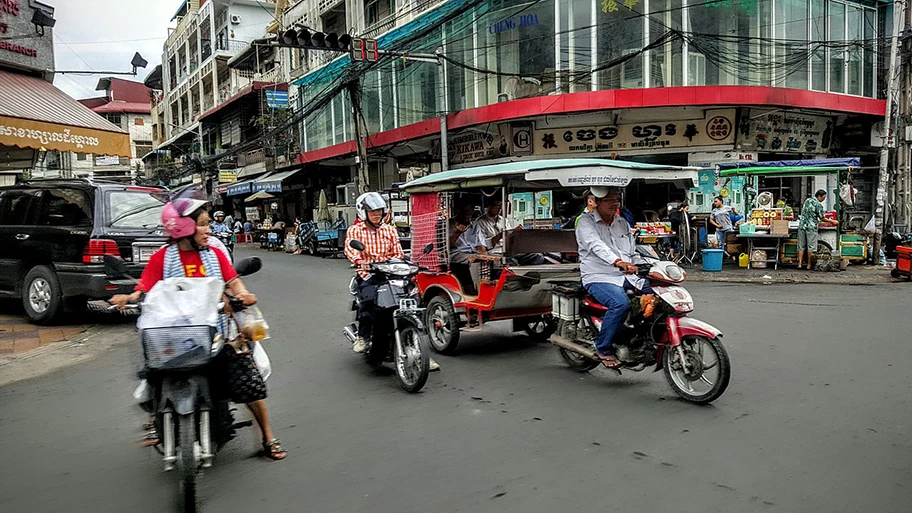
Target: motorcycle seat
(591, 301)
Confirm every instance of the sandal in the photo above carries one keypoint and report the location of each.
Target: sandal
(273, 450)
(150, 439)
(610, 361)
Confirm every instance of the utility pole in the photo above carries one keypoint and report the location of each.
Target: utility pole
(354, 92)
(441, 81)
(883, 182)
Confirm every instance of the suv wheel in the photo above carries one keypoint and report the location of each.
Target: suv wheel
(41, 294)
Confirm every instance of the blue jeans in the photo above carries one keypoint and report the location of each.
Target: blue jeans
(614, 297)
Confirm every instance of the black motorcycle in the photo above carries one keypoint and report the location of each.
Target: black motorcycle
(399, 334)
(193, 421)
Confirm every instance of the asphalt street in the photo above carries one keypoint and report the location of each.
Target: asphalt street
(816, 419)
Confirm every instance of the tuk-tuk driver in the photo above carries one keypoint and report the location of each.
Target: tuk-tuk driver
(608, 258)
(466, 240)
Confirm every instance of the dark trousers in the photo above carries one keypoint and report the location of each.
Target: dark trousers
(367, 305)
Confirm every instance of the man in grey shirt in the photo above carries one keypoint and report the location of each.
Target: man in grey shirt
(720, 217)
(608, 258)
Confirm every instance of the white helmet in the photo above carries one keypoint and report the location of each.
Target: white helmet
(218, 214)
(367, 202)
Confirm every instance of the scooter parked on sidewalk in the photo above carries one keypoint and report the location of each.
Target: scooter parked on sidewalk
(399, 334)
(657, 332)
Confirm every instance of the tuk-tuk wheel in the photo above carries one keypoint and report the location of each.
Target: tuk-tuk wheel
(541, 328)
(311, 248)
(443, 325)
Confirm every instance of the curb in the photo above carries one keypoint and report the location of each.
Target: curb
(768, 279)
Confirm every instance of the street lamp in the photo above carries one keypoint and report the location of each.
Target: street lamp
(136, 62)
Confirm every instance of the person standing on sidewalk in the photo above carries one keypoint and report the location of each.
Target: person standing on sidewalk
(812, 213)
(720, 217)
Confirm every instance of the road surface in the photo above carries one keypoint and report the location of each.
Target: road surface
(816, 419)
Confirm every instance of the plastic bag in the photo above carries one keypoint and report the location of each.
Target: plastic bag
(871, 227)
(847, 194)
(182, 302)
(262, 361)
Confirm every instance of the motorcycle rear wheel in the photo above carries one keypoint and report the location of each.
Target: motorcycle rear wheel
(186, 441)
(578, 362)
(411, 358)
(682, 382)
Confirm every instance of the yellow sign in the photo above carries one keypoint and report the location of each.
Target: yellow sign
(227, 176)
(716, 129)
(26, 133)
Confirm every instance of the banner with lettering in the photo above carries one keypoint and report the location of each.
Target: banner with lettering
(715, 129)
(785, 132)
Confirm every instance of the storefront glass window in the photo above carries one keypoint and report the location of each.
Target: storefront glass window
(730, 43)
(837, 55)
(620, 40)
(870, 46)
(791, 32)
(459, 45)
(818, 57)
(516, 39)
(387, 96)
(854, 31)
(666, 62)
(576, 29)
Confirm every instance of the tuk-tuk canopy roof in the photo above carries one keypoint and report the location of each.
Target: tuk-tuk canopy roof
(789, 167)
(568, 172)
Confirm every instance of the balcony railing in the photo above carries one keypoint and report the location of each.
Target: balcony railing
(221, 20)
(380, 27)
(251, 157)
(230, 46)
(185, 23)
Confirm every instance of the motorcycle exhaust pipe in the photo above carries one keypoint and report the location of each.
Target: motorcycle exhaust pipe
(350, 334)
(569, 345)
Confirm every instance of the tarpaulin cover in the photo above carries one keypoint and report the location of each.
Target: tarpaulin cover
(843, 162)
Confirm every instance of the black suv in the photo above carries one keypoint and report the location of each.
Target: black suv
(54, 235)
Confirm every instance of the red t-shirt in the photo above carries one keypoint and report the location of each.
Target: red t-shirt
(193, 267)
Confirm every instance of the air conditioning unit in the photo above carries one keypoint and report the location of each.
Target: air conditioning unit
(696, 69)
(632, 70)
(235, 19)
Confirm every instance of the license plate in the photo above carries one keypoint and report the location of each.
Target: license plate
(142, 254)
(408, 304)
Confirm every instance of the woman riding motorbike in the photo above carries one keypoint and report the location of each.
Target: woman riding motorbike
(188, 255)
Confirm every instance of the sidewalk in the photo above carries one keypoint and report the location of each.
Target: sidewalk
(854, 275)
(17, 336)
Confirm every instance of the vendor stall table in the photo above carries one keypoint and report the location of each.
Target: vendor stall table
(764, 242)
(662, 242)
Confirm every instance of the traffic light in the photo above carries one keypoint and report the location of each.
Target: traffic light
(314, 40)
(365, 50)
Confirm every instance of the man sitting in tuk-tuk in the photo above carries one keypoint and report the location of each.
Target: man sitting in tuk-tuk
(607, 250)
(466, 240)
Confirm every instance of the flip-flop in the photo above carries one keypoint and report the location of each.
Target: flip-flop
(610, 361)
(273, 450)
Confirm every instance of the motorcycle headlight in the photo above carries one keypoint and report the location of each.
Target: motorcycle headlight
(395, 269)
(675, 272)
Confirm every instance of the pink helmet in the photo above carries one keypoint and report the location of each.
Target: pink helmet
(175, 220)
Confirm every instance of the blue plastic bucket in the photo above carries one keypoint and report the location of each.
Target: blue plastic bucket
(712, 260)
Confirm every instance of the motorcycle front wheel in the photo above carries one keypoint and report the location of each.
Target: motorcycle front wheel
(411, 358)
(187, 439)
(708, 372)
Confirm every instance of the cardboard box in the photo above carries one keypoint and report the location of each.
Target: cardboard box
(779, 227)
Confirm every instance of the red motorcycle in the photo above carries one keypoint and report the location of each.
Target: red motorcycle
(657, 332)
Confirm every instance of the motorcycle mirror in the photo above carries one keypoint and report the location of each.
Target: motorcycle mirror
(248, 266)
(115, 267)
(357, 245)
(428, 249)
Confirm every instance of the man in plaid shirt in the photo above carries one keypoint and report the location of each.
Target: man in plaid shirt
(381, 243)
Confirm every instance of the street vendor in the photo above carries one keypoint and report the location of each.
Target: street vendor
(812, 215)
(720, 217)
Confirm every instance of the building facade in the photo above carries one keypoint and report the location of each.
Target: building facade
(667, 81)
(125, 104)
(195, 79)
(40, 125)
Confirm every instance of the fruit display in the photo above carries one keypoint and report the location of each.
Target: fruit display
(661, 228)
(765, 216)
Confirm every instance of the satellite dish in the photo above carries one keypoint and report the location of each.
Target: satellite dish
(765, 199)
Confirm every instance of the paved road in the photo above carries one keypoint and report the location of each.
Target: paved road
(816, 419)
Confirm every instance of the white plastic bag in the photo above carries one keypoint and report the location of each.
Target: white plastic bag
(847, 194)
(871, 227)
(262, 360)
(181, 302)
